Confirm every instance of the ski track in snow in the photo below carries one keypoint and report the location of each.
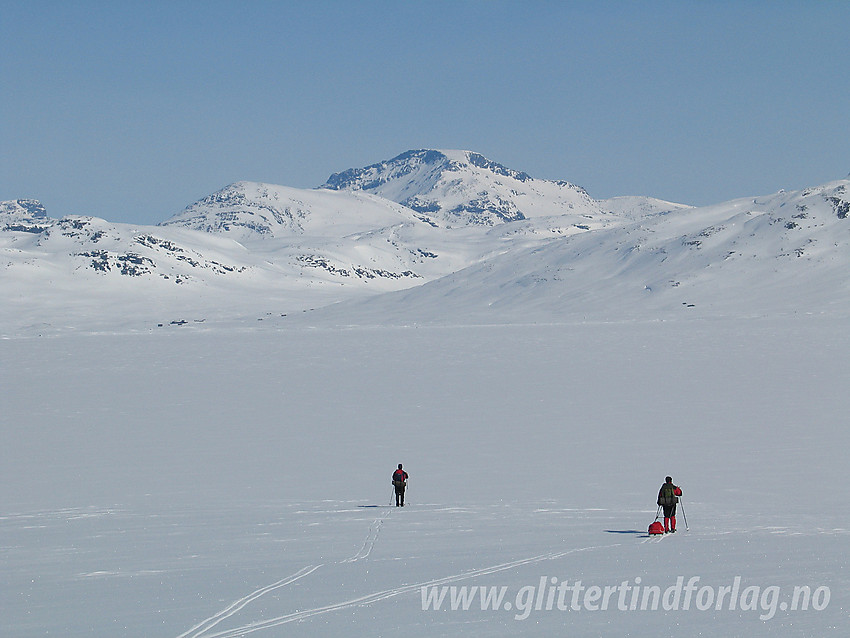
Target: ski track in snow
(385, 594)
(371, 538)
(205, 625)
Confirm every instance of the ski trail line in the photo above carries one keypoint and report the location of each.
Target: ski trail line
(397, 591)
(371, 538)
(205, 625)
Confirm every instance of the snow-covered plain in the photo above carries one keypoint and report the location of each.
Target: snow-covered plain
(227, 481)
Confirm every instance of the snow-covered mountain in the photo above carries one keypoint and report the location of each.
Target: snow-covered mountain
(463, 188)
(444, 236)
(439, 188)
(785, 253)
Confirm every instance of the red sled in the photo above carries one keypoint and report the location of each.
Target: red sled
(656, 528)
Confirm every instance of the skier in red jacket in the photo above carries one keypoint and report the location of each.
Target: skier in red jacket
(400, 483)
(668, 496)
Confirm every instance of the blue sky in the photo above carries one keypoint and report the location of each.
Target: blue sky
(132, 110)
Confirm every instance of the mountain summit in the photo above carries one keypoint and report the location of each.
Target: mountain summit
(463, 188)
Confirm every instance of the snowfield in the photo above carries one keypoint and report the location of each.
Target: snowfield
(225, 482)
(200, 419)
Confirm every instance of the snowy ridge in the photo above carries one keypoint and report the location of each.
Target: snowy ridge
(247, 210)
(638, 207)
(94, 245)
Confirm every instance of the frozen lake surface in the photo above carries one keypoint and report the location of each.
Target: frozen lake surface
(224, 482)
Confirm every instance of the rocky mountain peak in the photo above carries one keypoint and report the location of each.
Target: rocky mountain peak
(464, 188)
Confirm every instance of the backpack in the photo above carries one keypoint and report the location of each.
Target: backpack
(667, 495)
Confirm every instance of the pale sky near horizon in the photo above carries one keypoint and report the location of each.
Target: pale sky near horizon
(132, 110)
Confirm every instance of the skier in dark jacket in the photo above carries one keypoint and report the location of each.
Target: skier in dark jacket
(400, 483)
(668, 496)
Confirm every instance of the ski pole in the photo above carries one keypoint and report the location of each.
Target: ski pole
(683, 514)
(658, 513)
